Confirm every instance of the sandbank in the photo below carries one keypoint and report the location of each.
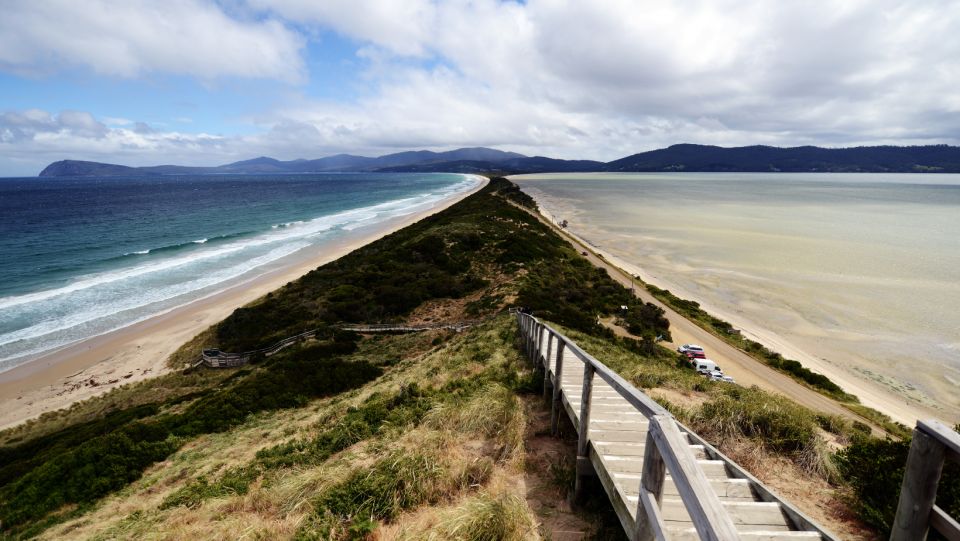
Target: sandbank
(898, 407)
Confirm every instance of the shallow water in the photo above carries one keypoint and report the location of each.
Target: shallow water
(83, 256)
(859, 270)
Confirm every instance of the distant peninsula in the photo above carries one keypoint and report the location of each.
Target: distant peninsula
(676, 158)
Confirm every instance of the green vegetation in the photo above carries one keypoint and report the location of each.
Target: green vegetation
(72, 471)
(451, 255)
(340, 435)
(874, 470)
(489, 517)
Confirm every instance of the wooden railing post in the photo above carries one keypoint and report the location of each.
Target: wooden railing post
(540, 329)
(651, 482)
(545, 366)
(527, 322)
(709, 517)
(919, 489)
(584, 468)
(530, 327)
(556, 404)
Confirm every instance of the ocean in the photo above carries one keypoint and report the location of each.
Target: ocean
(860, 271)
(80, 257)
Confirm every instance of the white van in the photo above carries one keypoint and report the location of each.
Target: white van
(705, 366)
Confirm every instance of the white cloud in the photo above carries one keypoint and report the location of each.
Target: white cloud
(553, 77)
(601, 79)
(130, 38)
(29, 140)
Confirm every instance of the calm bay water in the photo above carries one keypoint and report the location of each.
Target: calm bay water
(861, 271)
(82, 256)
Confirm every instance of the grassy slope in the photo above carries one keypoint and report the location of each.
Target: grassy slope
(425, 437)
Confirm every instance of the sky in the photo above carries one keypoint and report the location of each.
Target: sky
(203, 82)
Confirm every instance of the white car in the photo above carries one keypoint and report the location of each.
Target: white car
(718, 376)
(692, 348)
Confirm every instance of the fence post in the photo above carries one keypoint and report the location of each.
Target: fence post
(545, 365)
(584, 468)
(919, 489)
(540, 329)
(531, 324)
(651, 480)
(523, 330)
(555, 404)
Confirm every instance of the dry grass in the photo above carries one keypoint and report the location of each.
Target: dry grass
(482, 436)
(494, 413)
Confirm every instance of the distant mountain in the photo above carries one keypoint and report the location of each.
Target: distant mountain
(537, 164)
(879, 159)
(263, 164)
(683, 157)
(75, 168)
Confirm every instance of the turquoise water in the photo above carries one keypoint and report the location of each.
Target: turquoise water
(83, 256)
(861, 271)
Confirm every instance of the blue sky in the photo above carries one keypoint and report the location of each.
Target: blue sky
(203, 82)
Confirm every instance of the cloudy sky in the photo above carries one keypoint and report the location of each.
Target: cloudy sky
(207, 82)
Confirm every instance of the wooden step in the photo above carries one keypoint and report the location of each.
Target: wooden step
(636, 449)
(634, 436)
(612, 409)
(690, 534)
(726, 489)
(747, 516)
(713, 469)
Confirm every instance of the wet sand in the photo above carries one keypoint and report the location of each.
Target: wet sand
(748, 371)
(140, 351)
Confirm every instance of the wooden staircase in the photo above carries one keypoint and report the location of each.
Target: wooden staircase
(663, 480)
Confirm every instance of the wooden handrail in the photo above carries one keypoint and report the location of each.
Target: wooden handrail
(665, 449)
(709, 517)
(933, 443)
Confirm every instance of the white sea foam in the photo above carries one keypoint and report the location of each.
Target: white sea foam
(159, 280)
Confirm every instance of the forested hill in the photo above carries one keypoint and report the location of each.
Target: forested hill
(684, 157)
(880, 159)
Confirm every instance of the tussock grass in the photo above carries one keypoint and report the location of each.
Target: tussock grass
(494, 412)
(775, 422)
(487, 517)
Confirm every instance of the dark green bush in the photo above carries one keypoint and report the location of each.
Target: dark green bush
(83, 473)
(874, 469)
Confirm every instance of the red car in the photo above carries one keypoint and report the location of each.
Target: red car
(691, 355)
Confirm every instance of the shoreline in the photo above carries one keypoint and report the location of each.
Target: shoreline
(139, 351)
(898, 407)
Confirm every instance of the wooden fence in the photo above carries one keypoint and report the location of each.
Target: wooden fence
(635, 425)
(933, 443)
(214, 358)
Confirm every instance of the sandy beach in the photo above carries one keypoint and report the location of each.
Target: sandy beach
(139, 351)
(748, 371)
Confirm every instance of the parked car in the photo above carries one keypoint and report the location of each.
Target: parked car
(691, 355)
(705, 366)
(723, 378)
(689, 347)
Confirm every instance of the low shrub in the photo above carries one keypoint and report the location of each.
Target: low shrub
(777, 422)
(873, 468)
